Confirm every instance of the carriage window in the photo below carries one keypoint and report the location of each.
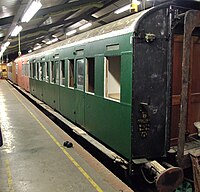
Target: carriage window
(44, 71)
(80, 74)
(71, 73)
(112, 77)
(40, 71)
(62, 72)
(28, 68)
(89, 78)
(57, 71)
(16, 68)
(34, 70)
(52, 76)
(31, 70)
(47, 72)
(37, 70)
(23, 69)
(43, 75)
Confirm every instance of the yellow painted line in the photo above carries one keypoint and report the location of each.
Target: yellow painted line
(62, 148)
(8, 172)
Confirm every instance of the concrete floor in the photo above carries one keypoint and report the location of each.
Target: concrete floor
(33, 159)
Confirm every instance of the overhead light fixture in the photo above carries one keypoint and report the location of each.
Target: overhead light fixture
(85, 26)
(7, 44)
(71, 32)
(1, 34)
(4, 47)
(95, 15)
(136, 2)
(122, 9)
(58, 34)
(16, 30)
(52, 41)
(31, 11)
(36, 48)
(78, 24)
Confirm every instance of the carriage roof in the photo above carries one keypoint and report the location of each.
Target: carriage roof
(116, 28)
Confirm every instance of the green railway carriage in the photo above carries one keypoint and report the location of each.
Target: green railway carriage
(89, 82)
(119, 82)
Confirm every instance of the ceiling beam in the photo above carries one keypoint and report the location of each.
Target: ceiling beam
(6, 20)
(17, 16)
(69, 6)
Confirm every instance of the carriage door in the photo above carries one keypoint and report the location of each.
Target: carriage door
(150, 96)
(79, 91)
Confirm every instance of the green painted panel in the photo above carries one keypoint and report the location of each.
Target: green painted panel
(126, 77)
(33, 86)
(57, 100)
(99, 75)
(99, 46)
(39, 90)
(67, 103)
(110, 122)
(79, 107)
(51, 95)
(46, 92)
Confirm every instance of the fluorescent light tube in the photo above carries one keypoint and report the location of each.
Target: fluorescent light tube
(136, 2)
(71, 32)
(31, 11)
(38, 47)
(16, 30)
(52, 41)
(122, 9)
(85, 26)
(7, 44)
(3, 48)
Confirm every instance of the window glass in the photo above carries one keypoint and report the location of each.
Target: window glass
(48, 71)
(28, 68)
(62, 72)
(71, 73)
(34, 70)
(89, 77)
(37, 70)
(23, 69)
(44, 71)
(31, 69)
(112, 77)
(57, 71)
(40, 71)
(16, 68)
(52, 76)
(80, 74)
